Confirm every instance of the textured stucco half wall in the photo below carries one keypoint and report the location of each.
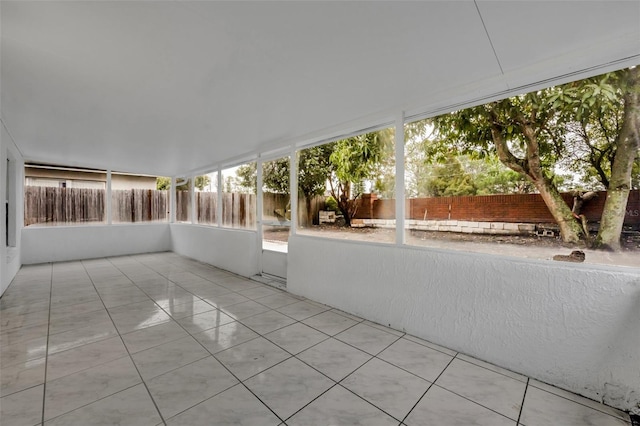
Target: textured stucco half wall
(575, 326)
(230, 249)
(62, 243)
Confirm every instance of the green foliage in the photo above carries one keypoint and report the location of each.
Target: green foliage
(314, 168)
(572, 127)
(490, 177)
(202, 181)
(331, 204)
(228, 184)
(566, 137)
(276, 175)
(246, 178)
(449, 179)
(164, 183)
(358, 158)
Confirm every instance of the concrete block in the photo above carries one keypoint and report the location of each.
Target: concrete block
(327, 216)
(469, 224)
(357, 223)
(497, 225)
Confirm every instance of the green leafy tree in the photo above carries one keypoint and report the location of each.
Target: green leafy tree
(353, 161)
(244, 181)
(164, 183)
(602, 118)
(524, 135)
(228, 184)
(275, 176)
(343, 166)
(531, 134)
(246, 176)
(490, 176)
(314, 169)
(449, 179)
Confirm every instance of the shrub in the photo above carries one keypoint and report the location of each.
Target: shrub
(331, 204)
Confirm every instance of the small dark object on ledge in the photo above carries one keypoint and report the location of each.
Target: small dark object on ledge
(575, 256)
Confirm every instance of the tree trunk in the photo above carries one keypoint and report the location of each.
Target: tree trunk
(343, 205)
(342, 194)
(530, 168)
(570, 229)
(308, 218)
(628, 145)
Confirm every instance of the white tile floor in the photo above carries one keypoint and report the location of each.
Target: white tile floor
(161, 339)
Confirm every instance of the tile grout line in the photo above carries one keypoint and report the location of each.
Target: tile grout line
(578, 402)
(122, 340)
(524, 396)
(278, 363)
(240, 382)
(470, 400)
(338, 382)
(214, 357)
(313, 400)
(46, 354)
(430, 386)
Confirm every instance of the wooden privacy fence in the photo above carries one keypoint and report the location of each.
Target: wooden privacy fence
(50, 205)
(139, 205)
(207, 207)
(45, 205)
(309, 209)
(239, 210)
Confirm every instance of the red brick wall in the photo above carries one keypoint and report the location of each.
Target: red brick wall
(527, 208)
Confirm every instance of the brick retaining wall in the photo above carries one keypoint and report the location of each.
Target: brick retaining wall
(514, 208)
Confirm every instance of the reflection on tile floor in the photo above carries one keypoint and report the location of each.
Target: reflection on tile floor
(161, 339)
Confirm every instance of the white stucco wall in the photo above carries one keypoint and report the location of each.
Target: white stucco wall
(274, 262)
(62, 243)
(571, 325)
(10, 260)
(230, 249)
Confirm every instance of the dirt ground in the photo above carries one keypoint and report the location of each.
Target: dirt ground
(512, 245)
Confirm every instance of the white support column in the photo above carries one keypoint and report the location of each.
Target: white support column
(219, 196)
(293, 190)
(399, 187)
(259, 207)
(192, 198)
(108, 200)
(172, 200)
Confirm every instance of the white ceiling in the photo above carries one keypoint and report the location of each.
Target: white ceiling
(165, 87)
